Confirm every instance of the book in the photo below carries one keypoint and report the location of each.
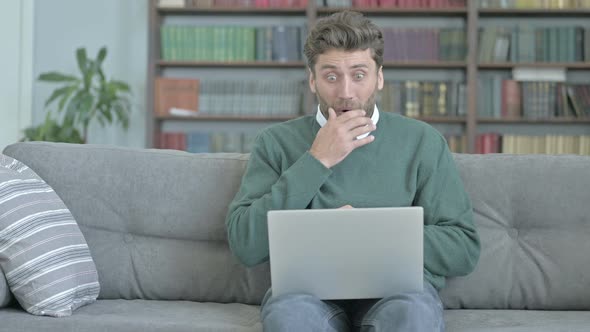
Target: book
(182, 112)
(171, 3)
(539, 74)
(511, 99)
(176, 93)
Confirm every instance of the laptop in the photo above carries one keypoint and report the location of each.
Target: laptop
(346, 253)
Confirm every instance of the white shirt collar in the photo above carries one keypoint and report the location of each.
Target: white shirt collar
(322, 120)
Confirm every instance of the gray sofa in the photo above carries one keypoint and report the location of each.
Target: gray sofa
(154, 222)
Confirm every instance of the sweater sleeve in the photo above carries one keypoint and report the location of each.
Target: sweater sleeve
(451, 243)
(265, 187)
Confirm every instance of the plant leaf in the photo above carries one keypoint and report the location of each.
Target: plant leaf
(82, 59)
(87, 67)
(118, 85)
(88, 74)
(85, 107)
(101, 55)
(45, 128)
(65, 98)
(101, 75)
(87, 102)
(72, 110)
(54, 76)
(56, 94)
(122, 114)
(106, 113)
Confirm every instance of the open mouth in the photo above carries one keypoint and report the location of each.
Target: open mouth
(341, 111)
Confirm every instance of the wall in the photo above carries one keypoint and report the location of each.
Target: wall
(61, 26)
(16, 62)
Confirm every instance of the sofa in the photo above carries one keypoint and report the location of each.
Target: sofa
(154, 224)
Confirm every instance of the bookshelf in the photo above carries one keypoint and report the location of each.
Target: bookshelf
(471, 123)
(556, 45)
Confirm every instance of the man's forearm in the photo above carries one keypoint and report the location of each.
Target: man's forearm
(450, 250)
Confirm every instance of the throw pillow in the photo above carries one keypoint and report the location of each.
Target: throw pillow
(5, 296)
(43, 254)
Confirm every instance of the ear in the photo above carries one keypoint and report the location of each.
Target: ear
(380, 78)
(311, 80)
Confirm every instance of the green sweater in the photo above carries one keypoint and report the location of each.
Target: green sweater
(408, 164)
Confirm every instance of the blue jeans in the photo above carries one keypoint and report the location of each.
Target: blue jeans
(404, 312)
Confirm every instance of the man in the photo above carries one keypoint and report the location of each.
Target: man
(350, 155)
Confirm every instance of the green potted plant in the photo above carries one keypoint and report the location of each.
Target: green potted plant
(81, 100)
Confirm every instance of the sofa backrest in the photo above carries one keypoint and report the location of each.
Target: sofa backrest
(153, 219)
(154, 222)
(533, 217)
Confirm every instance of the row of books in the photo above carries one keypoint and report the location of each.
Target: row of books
(424, 44)
(280, 43)
(518, 4)
(423, 98)
(253, 98)
(535, 4)
(519, 144)
(233, 3)
(498, 98)
(202, 142)
(456, 143)
(319, 3)
(527, 44)
(193, 97)
(285, 43)
(393, 3)
(242, 142)
(506, 98)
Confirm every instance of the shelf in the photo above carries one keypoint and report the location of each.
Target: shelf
(224, 118)
(510, 65)
(536, 121)
(533, 12)
(430, 119)
(234, 11)
(372, 11)
(425, 64)
(440, 119)
(469, 68)
(301, 64)
(249, 64)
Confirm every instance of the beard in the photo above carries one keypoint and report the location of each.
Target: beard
(368, 106)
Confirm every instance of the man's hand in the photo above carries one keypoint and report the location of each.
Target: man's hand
(337, 139)
(347, 206)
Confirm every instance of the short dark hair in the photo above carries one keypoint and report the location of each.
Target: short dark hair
(346, 30)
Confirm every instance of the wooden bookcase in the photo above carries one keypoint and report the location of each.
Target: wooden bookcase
(471, 68)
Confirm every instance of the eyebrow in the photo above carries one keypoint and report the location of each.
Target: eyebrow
(328, 66)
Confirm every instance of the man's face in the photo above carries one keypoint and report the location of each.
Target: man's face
(346, 80)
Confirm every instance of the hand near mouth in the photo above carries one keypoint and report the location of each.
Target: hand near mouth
(338, 137)
(339, 112)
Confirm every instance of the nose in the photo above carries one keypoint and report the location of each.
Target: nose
(345, 90)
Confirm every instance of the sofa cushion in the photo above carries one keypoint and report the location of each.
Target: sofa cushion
(43, 254)
(5, 295)
(141, 315)
(516, 321)
(154, 219)
(533, 217)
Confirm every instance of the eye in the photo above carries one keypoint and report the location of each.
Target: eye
(331, 77)
(359, 76)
